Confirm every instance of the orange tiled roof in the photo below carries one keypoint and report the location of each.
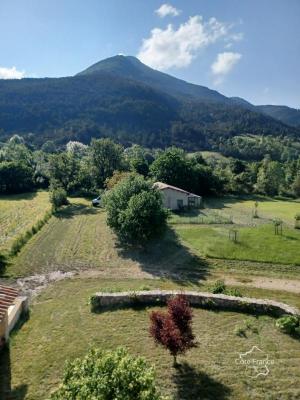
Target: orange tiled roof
(7, 297)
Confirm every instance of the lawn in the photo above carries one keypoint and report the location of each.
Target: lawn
(18, 213)
(78, 238)
(242, 209)
(254, 244)
(61, 327)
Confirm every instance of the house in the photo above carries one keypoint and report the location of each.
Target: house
(12, 305)
(175, 198)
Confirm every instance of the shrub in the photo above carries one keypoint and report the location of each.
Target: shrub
(240, 331)
(108, 375)
(173, 329)
(233, 292)
(288, 324)
(135, 211)
(219, 287)
(297, 221)
(58, 197)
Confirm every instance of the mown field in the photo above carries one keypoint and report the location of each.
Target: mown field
(61, 327)
(78, 238)
(255, 243)
(207, 230)
(18, 213)
(241, 209)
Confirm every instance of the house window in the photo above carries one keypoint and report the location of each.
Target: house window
(179, 204)
(191, 201)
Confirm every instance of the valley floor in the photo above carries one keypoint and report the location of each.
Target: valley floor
(75, 254)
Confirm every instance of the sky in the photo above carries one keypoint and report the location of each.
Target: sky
(245, 48)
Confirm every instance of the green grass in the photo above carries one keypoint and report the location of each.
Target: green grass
(18, 213)
(255, 244)
(78, 238)
(61, 327)
(242, 209)
(199, 217)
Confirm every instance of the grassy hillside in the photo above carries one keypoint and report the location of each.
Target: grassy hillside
(18, 213)
(61, 327)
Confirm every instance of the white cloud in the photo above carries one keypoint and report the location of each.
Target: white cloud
(234, 37)
(167, 48)
(224, 64)
(11, 73)
(167, 9)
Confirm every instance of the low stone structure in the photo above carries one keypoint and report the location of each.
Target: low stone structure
(102, 301)
(12, 305)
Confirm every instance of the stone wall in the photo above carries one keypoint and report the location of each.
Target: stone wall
(102, 301)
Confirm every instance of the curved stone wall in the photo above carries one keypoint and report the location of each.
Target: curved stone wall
(102, 301)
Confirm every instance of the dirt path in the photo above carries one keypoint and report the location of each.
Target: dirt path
(287, 285)
(33, 285)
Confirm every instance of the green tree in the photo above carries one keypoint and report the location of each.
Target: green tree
(110, 375)
(15, 177)
(175, 168)
(106, 157)
(172, 167)
(296, 186)
(270, 178)
(135, 211)
(64, 169)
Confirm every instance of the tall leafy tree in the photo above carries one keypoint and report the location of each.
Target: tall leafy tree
(106, 157)
(135, 211)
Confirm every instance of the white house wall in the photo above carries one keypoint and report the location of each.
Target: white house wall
(170, 197)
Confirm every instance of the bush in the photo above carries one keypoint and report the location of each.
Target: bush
(297, 221)
(288, 324)
(135, 211)
(219, 287)
(109, 375)
(58, 197)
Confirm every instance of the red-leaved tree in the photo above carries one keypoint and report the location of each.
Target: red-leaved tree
(173, 329)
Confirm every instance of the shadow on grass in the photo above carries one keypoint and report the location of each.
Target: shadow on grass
(73, 210)
(169, 258)
(197, 385)
(222, 202)
(4, 263)
(18, 196)
(6, 391)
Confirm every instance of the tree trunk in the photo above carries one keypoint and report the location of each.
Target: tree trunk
(175, 364)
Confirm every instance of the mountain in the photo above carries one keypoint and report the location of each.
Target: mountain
(243, 103)
(131, 68)
(287, 115)
(122, 98)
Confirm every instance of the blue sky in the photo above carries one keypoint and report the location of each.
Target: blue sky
(246, 48)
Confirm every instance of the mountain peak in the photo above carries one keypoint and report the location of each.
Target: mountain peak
(117, 64)
(130, 67)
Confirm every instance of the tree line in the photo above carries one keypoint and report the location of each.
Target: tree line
(87, 169)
